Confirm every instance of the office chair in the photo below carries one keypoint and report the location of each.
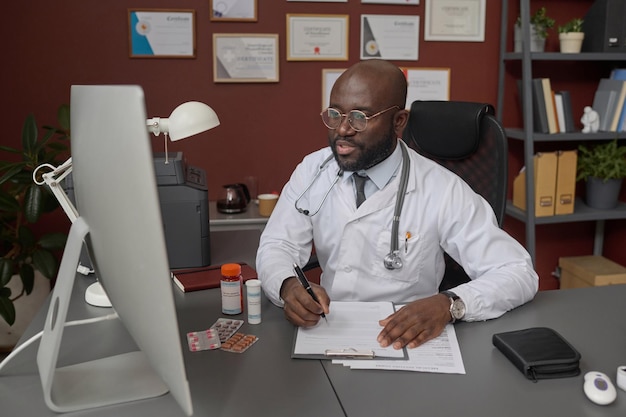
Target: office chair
(467, 139)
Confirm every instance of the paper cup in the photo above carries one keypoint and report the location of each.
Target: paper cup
(267, 202)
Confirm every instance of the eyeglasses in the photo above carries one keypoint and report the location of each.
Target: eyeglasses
(332, 118)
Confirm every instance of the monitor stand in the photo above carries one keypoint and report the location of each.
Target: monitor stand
(107, 381)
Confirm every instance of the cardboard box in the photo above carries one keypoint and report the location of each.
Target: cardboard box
(590, 271)
(545, 169)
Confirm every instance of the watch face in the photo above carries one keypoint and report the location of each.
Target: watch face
(458, 309)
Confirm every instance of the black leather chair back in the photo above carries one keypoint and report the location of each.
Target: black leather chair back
(467, 139)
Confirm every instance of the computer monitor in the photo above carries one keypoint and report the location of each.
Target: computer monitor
(120, 222)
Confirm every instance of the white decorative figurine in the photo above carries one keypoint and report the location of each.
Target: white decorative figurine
(590, 120)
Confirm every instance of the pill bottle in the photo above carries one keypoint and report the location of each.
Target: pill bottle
(253, 296)
(231, 285)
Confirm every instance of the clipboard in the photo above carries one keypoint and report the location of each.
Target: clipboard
(339, 346)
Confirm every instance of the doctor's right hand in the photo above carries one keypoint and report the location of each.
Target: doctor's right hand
(300, 308)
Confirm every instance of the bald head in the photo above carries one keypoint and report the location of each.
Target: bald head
(377, 78)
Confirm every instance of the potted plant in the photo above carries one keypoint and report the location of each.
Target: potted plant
(540, 22)
(571, 36)
(22, 202)
(602, 167)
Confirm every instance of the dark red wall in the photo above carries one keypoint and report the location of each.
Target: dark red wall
(266, 127)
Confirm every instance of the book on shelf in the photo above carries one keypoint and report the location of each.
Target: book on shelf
(605, 101)
(549, 102)
(560, 112)
(540, 117)
(620, 74)
(568, 113)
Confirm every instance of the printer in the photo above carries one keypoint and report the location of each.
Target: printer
(184, 201)
(183, 195)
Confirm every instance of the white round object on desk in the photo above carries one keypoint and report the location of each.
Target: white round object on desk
(599, 388)
(96, 296)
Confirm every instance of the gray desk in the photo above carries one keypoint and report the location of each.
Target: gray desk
(262, 381)
(591, 319)
(265, 381)
(248, 220)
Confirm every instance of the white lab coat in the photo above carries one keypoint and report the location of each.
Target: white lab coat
(440, 212)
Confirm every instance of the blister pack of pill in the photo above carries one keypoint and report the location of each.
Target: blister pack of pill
(226, 328)
(239, 343)
(203, 340)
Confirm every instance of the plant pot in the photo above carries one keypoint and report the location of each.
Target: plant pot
(572, 42)
(601, 194)
(25, 309)
(537, 43)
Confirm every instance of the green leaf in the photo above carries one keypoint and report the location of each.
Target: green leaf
(33, 203)
(53, 241)
(7, 309)
(29, 133)
(45, 263)
(27, 274)
(11, 171)
(6, 271)
(26, 237)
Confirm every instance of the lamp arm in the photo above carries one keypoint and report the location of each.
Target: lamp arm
(53, 180)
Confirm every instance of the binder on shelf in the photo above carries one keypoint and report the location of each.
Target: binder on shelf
(568, 113)
(540, 116)
(605, 100)
(549, 102)
(545, 167)
(605, 27)
(565, 182)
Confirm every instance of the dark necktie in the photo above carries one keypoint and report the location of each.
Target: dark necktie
(359, 182)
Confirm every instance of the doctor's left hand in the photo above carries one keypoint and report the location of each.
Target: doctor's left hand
(415, 323)
(300, 308)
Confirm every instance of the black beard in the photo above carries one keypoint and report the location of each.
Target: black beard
(369, 157)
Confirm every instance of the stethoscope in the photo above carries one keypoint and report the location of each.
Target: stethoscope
(392, 259)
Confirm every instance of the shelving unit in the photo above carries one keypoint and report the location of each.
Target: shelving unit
(526, 134)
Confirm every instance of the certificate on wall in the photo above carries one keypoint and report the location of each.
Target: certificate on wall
(329, 76)
(317, 37)
(158, 33)
(455, 20)
(404, 2)
(389, 37)
(233, 10)
(245, 58)
(427, 84)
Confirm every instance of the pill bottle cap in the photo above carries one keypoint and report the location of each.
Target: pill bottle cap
(253, 283)
(231, 270)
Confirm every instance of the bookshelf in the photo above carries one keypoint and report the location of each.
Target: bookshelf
(525, 59)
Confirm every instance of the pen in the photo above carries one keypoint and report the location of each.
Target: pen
(406, 241)
(307, 286)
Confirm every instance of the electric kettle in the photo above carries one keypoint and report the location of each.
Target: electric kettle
(234, 199)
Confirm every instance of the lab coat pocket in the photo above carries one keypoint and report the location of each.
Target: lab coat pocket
(409, 252)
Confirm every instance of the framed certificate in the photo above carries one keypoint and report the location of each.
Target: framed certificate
(389, 36)
(401, 2)
(233, 10)
(427, 84)
(455, 20)
(317, 37)
(245, 58)
(162, 33)
(329, 76)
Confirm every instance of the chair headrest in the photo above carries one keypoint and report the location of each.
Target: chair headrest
(446, 129)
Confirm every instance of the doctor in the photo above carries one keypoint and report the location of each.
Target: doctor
(439, 212)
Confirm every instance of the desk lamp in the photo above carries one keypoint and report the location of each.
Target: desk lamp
(186, 120)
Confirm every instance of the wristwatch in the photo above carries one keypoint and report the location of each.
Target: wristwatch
(457, 306)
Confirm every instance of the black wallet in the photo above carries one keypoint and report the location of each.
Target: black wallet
(539, 353)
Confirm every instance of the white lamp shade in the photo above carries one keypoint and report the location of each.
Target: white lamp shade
(191, 118)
